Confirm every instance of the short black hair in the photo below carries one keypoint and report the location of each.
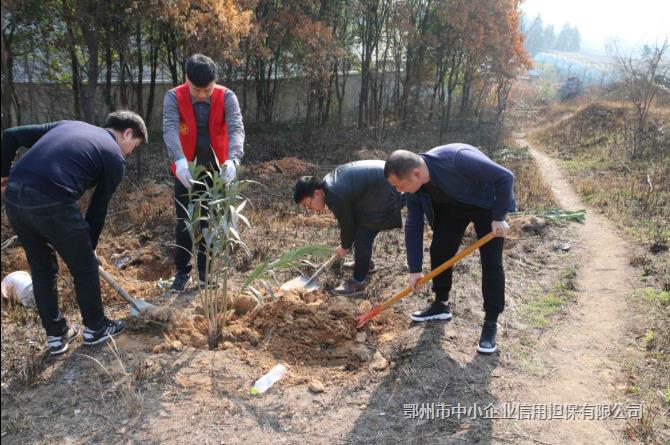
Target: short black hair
(121, 120)
(201, 70)
(305, 188)
(400, 163)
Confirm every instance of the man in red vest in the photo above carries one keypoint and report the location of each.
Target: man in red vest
(202, 122)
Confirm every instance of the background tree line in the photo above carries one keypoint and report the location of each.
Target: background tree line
(544, 38)
(417, 60)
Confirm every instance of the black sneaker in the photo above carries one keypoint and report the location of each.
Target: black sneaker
(111, 328)
(59, 344)
(436, 311)
(487, 341)
(180, 282)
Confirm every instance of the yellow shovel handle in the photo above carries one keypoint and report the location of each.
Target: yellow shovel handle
(441, 268)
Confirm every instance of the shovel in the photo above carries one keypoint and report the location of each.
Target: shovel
(363, 319)
(137, 306)
(309, 284)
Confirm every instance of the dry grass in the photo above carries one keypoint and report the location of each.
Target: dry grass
(593, 144)
(532, 193)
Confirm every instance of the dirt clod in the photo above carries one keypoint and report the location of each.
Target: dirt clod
(245, 303)
(361, 352)
(316, 386)
(379, 363)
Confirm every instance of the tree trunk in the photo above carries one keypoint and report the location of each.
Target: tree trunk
(502, 92)
(91, 33)
(109, 63)
(7, 76)
(311, 99)
(89, 90)
(156, 39)
(123, 88)
(245, 84)
(74, 60)
(340, 92)
(171, 55)
(139, 96)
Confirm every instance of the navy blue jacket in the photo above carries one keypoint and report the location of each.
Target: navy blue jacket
(64, 160)
(466, 175)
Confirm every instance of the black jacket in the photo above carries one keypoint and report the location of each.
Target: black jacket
(359, 195)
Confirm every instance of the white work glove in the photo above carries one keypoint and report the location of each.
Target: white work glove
(229, 171)
(183, 173)
(501, 228)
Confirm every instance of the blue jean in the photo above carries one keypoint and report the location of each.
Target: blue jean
(363, 252)
(45, 227)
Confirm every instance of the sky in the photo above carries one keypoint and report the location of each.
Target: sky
(632, 22)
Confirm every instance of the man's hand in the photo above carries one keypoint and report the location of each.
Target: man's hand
(501, 228)
(341, 251)
(4, 183)
(413, 281)
(182, 172)
(229, 171)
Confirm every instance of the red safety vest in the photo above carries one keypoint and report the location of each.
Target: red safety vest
(188, 130)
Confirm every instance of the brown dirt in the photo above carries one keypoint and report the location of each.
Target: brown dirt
(290, 167)
(304, 328)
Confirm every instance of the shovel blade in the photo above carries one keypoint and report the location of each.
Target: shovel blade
(142, 306)
(299, 283)
(363, 319)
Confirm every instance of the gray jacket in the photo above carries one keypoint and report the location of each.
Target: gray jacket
(359, 195)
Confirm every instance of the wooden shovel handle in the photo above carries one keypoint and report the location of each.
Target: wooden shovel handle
(441, 268)
(321, 269)
(117, 287)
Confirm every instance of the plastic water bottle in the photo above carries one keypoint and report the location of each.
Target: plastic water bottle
(269, 379)
(18, 287)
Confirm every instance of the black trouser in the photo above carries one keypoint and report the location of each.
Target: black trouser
(449, 224)
(45, 227)
(363, 252)
(184, 249)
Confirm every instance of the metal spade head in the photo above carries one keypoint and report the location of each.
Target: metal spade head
(301, 282)
(141, 305)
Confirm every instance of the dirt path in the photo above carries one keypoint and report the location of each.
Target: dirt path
(582, 352)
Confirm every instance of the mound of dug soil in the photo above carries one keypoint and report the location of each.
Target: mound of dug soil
(321, 330)
(304, 328)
